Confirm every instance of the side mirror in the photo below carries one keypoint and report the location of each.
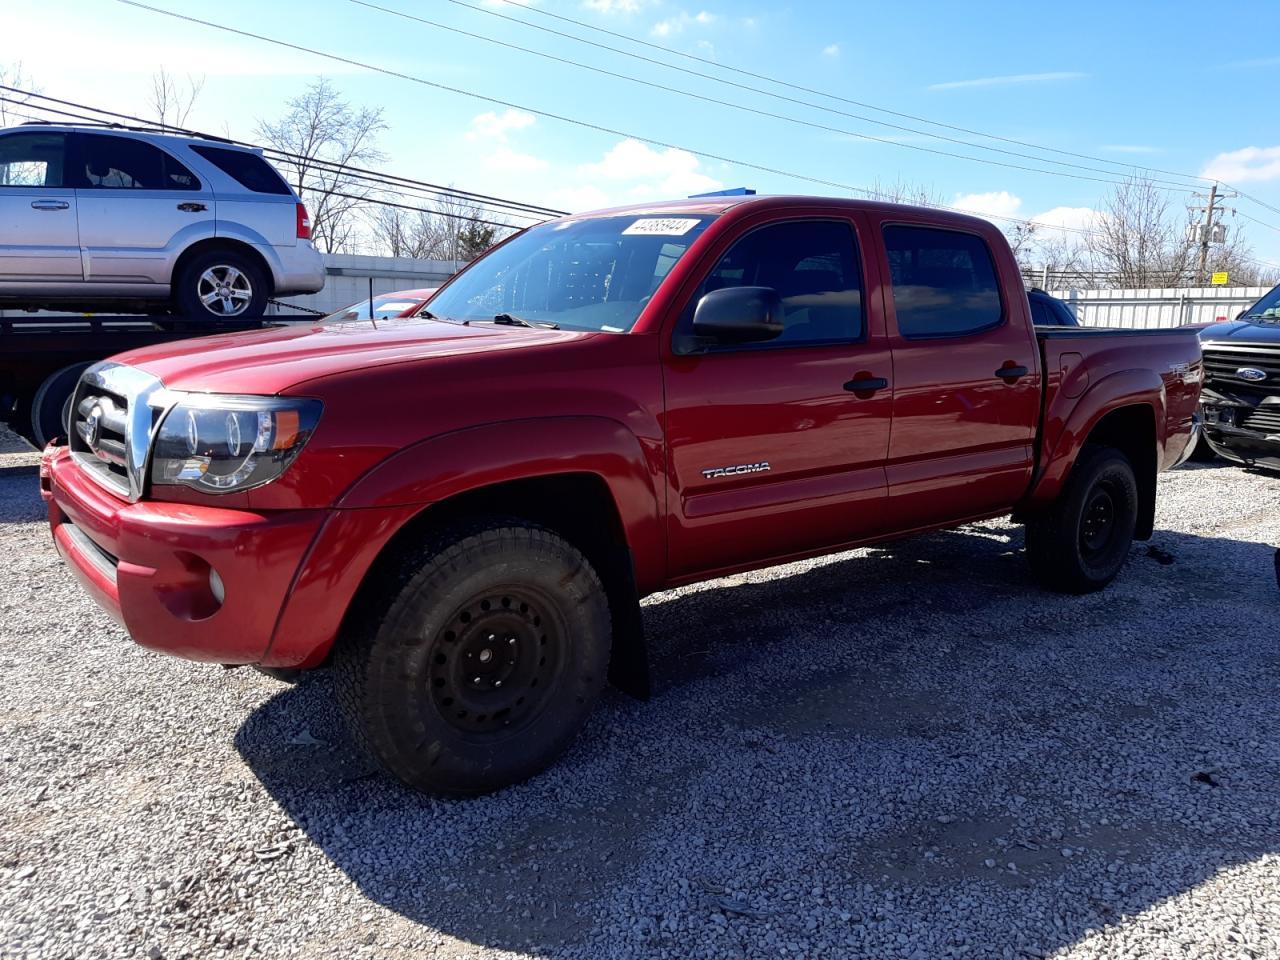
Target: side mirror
(739, 315)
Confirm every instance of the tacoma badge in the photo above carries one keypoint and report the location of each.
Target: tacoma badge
(760, 467)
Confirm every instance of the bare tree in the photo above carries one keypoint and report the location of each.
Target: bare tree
(456, 229)
(904, 191)
(1137, 240)
(12, 112)
(323, 135)
(170, 102)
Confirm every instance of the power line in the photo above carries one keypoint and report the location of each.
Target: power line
(376, 201)
(814, 125)
(768, 93)
(600, 128)
(360, 173)
(524, 6)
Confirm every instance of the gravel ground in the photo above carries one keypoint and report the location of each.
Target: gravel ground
(901, 752)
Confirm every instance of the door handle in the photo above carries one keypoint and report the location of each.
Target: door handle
(866, 385)
(50, 205)
(1011, 373)
(190, 207)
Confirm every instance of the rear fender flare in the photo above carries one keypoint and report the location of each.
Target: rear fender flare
(1125, 388)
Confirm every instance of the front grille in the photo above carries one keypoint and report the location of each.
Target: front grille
(1265, 419)
(111, 422)
(101, 426)
(1223, 360)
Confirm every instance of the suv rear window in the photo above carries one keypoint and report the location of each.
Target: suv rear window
(122, 163)
(247, 169)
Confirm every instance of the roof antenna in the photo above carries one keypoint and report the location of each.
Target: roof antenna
(372, 318)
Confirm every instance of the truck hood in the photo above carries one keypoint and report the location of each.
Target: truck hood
(273, 360)
(1242, 331)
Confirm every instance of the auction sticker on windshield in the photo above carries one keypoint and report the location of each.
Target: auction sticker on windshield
(661, 227)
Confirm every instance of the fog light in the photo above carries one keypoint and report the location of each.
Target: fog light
(216, 586)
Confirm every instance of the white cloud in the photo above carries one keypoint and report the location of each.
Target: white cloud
(682, 21)
(495, 126)
(577, 199)
(506, 160)
(1017, 79)
(646, 173)
(831, 50)
(1071, 218)
(1247, 164)
(998, 203)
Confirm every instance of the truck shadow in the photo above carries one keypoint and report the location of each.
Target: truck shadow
(911, 741)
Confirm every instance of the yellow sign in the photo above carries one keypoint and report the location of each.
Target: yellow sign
(1220, 279)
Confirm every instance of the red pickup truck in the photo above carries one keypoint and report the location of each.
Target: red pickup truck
(460, 512)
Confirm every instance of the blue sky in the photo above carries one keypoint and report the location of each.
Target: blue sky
(1180, 86)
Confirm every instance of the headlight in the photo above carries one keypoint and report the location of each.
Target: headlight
(223, 444)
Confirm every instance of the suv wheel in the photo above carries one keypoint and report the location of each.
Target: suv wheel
(221, 285)
(476, 666)
(1082, 542)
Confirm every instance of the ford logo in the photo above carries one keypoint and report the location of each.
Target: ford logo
(1252, 374)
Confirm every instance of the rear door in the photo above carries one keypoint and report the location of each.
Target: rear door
(966, 399)
(139, 208)
(770, 450)
(39, 239)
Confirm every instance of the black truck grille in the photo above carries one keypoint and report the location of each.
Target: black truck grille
(1263, 419)
(1223, 363)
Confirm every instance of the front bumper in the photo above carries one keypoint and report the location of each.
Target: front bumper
(1245, 446)
(149, 564)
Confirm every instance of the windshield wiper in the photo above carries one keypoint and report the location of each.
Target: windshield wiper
(511, 320)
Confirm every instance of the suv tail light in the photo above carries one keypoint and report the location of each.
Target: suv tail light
(304, 223)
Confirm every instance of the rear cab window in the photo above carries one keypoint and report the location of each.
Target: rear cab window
(106, 162)
(944, 282)
(247, 169)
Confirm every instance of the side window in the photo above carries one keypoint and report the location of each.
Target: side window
(32, 159)
(122, 163)
(812, 264)
(245, 168)
(944, 282)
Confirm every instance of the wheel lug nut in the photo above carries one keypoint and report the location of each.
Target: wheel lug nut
(476, 681)
(497, 683)
(511, 641)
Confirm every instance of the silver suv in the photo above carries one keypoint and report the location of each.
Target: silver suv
(95, 217)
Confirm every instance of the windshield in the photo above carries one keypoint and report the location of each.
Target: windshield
(387, 305)
(590, 274)
(1266, 310)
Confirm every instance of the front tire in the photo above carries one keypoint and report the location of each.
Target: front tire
(1081, 543)
(221, 285)
(477, 664)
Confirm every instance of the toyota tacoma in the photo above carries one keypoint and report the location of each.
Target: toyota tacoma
(460, 512)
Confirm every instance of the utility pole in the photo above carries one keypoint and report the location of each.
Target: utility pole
(1204, 231)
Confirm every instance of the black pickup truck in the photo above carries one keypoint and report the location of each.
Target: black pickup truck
(1241, 395)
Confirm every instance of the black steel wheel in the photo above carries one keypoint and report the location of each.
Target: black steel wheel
(476, 663)
(1082, 541)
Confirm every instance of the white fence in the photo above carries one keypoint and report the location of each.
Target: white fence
(350, 277)
(1144, 309)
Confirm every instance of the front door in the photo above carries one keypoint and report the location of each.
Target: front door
(778, 448)
(966, 399)
(39, 240)
(138, 207)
